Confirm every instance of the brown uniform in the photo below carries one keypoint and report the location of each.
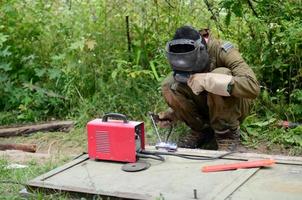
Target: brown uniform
(207, 109)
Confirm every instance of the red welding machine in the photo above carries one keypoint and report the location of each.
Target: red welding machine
(116, 140)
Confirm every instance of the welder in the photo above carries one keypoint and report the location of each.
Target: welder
(210, 89)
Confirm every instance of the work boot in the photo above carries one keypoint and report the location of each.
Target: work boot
(199, 139)
(228, 140)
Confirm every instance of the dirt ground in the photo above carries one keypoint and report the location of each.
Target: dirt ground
(50, 145)
(56, 145)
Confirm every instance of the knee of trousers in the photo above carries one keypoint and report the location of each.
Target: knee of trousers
(173, 95)
(227, 112)
(168, 94)
(222, 70)
(176, 96)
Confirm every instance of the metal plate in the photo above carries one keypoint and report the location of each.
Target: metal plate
(135, 167)
(175, 178)
(283, 182)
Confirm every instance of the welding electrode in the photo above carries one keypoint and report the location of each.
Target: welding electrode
(154, 125)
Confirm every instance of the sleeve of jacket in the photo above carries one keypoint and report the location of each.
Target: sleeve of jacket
(245, 81)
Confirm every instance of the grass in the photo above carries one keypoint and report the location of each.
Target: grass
(18, 177)
(62, 147)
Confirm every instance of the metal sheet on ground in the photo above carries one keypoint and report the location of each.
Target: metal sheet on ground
(174, 179)
(283, 182)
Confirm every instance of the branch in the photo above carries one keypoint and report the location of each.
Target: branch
(213, 14)
(168, 2)
(128, 37)
(252, 7)
(25, 130)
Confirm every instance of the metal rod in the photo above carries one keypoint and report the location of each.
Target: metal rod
(195, 194)
(154, 126)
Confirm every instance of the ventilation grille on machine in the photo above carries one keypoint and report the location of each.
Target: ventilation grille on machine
(102, 142)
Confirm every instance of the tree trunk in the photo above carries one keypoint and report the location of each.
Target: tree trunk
(64, 126)
(22, 147)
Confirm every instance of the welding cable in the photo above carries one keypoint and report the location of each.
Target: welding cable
(169, 133)
(151, 156)
(194, 157)
(186, 156)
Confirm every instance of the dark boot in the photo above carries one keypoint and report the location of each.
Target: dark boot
(228, 140)
(199, 139)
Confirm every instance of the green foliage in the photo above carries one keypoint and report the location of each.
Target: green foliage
(273, 43)
(78, 51)
(73, 59)
(271, 132)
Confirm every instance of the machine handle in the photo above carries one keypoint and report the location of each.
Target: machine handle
(116, 116)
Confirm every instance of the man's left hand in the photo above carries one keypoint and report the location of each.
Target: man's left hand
(211, 82)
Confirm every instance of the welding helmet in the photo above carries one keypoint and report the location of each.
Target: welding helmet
(187, 57)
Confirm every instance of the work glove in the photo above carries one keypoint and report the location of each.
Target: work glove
(166, 119)
(219, 84)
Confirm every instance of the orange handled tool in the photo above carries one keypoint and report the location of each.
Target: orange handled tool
(247, 164)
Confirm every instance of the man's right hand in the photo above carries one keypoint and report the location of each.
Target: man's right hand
(166, 119)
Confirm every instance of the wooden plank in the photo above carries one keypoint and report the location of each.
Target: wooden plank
(64, 126)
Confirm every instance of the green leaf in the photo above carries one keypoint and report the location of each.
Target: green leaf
(6, 66)
(3, 38)
(58, 57)
(40, 72)
(138, 57)
(154, 71)
(77, 45)
(227, 19)
(264, 123)
(237, 8)
(5, 52)
(114, 74)
(54, 73)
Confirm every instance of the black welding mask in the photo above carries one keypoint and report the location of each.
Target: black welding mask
(187, 57)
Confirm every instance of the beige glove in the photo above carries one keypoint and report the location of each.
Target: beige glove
(166, 119)
(211, 82)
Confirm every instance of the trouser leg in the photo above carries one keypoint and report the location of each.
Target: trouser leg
(188, 107)
(226, 112)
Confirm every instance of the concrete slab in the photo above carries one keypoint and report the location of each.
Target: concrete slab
(176, 178)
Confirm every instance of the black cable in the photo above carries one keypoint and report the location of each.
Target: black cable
(151, 156)
(186, 156)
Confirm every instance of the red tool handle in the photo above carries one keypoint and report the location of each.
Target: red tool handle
(247, 164)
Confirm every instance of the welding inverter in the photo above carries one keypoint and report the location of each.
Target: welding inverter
(115, 138)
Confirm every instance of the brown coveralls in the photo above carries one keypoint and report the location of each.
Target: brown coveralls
(207, 109)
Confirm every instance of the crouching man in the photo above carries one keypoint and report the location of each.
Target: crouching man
(211, 88)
